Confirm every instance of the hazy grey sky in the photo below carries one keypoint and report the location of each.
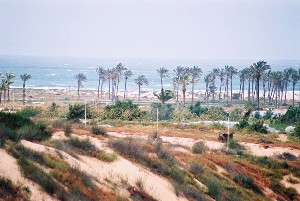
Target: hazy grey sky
(201, 29)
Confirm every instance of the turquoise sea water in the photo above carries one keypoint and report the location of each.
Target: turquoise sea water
(58, 72)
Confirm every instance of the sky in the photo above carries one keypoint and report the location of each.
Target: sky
(181, 29)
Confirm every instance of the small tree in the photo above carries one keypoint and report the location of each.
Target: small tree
(77, 111)
(80, 77)
(164, 95)
(24, 78)
(141, 80)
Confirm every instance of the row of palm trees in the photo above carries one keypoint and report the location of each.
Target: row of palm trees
(6, 83)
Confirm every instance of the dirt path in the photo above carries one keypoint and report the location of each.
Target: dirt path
(119, 171)
(255, 149)
(10, 170)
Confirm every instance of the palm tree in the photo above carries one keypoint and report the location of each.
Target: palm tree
(3, 87)
(141, 80)
(243, 76)
(163, 73)
(80, 77)
(214, 75)
(101, 77)
(196, 73)
(177, 74)
(127, 75)
(207, 79)
(24, 78)
(119, 73)
(258, 70)
(295, 77)
(184, 80)
(164, 95)
(9, 78)
(221, 76)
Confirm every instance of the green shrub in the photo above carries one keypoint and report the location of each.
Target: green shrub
(28, 112)
(98, 130)
(277, 187)
(182, 114)
(34, 132)
(67, 129)
(58, 123)
(199, 148)
(8, 190)
(77, 111)
(257, 115)
(196, 168)
(214, 187)
(165, 155)
(165, 111)
(246, 182)
(123, 110)
(106, 157)
(197, 109)
(243, 124)
(268, 115)
(291, 116)
(233, 144)
(215, 114)
(258, 127)
(236, 114)
(84, 145)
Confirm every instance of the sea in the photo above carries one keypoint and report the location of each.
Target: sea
(59, 72)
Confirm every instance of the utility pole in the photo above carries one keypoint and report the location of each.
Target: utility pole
(228, 134)
(85, 113)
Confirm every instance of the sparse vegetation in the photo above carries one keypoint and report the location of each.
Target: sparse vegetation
(99, 130)
(199, 148)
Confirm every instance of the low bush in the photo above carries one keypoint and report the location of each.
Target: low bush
(287, 156)
(77, 111)
(196, 168)
(67, 129)
(199, 148)
(165, 111)
(106, 157)
(258, 126)
(233, 144)
(277, 187)
(167, 156)
(214, 187)
(99, 130)
(197, 109)
(246, 182)
(84, 145)
(9, 191)
(28, 112)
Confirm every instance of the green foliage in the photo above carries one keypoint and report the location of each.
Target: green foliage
(199, 148)
(277, 187)
(28, 112)
(214, 187)
(182, 114)
(16, 127)
(123, 110)
(291, 116)
(243, 124)
(233, 144)
(106, 157)
(296, 132)
(215, 114)
(197, 109)
(99, 130)
(268, 115)
(258, 126)
(246, 182)
(196, 168)
(8, 190)
(236, 114)
(67, 128)
(257, 115)
(164, 95)
(77, 111)
(165, 111)
(84, 145)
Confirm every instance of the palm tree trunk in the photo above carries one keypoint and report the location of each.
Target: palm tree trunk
(161, 83)
(8, 90)
(177, 92)
(4, 96)
(293, 94)
(257, 92)
(183, 93)
(193, 92)
(78, 95)
(139, 92)
(243, 90)
(125, 89)
(109, 89)
(23, 93)
(285, 93)
(99, 89)
(220, 91)
(0, 96)
(231, 89)
(249, 90)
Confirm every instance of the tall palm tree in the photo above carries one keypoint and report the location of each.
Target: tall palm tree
(164, 95)
(141, 80)
(163, 73)
(207, 79)
(243, 76)
(184, 81)
(3, 87)
(214, 75)
(286, 80)
(295, 77)
(119, 73)
(101, 77)
(25, 77)
(80, 77)
(127, 75)
(221, 75)
(196, 73)
(108, 76)
(9, 78)
(177, 73)
(258, 69)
